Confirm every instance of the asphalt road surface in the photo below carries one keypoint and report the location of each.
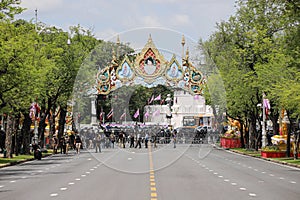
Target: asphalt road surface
(186, 172)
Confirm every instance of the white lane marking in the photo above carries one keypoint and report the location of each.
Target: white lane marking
(281, 178)
(23, 177)
(220, 176)
(233, 183)
(53, 195)
(271, 174)
(83, 175)
(263, 172)
(211, 170)
(89, 159)
(92, 169)
(294, 182)
(71, 183)
(95, 167)
(1, 186)
(215, 173)
(87, 172)
(77, 179)
(252, 194)
(63, 189)
(250, 167)
(256, 170)
(12, 181)
(243, 189)
(226, 180)
(129, 158)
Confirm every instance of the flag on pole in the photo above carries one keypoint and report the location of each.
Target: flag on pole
(110, 114)
(196, 97)
(157, 98)
(150, 100)
(147, 115)
(101, 116)
(137, 113)
(156, 113)
(122, 116)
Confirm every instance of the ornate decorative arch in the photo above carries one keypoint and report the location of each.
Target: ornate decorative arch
(150, 69)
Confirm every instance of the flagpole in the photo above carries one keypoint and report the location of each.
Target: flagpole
(125, 114)
(263, 142)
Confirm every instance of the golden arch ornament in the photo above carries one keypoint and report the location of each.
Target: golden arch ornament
(150, 68)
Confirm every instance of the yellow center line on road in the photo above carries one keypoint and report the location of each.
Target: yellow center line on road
(153, 193)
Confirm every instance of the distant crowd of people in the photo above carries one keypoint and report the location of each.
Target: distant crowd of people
(96, 140)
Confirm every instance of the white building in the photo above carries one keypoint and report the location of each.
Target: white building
(184, 106)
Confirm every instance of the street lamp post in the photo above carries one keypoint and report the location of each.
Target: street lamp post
(169, 113)
(263, 124)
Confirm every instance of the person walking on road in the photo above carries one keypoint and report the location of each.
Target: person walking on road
(78, 143)
(154, 139)
(174, 135)
(146, 140)
(67, 141)
(138, 140)
(98, 143)
(131, 140)
(112, 139)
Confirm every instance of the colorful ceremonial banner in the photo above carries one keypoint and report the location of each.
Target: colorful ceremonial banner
(267, 106)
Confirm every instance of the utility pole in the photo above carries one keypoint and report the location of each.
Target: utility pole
(36, 13)
(263, 139)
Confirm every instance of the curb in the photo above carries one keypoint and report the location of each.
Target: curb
(267, 159)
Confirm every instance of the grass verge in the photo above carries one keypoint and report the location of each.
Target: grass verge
(290, 160)
(20, 158)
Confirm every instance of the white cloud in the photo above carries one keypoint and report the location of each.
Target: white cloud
(181, 20)
(107, 34)
(151, 21)
(42, 5)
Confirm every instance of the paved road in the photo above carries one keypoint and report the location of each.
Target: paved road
(165, 173)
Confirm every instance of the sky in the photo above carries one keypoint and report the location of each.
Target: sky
(196, 18)
(135, 20)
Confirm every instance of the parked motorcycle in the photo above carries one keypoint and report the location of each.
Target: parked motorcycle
(37, 153)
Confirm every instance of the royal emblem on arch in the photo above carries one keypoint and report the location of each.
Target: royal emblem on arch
(150, 68)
